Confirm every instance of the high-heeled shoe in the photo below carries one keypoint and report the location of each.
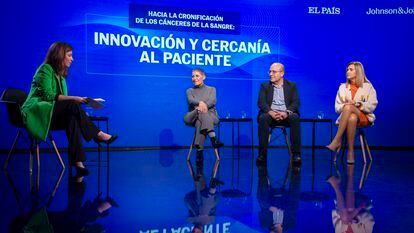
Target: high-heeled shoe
(334, 148)
(332, 178)
(112, 202)
(107, 142)
(99, 200)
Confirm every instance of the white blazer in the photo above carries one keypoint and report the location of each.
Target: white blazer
(366, 95)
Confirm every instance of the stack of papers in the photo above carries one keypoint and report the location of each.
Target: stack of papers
(96, 103)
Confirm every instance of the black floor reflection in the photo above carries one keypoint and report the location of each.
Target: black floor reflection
(278, 205)
(33, 199)
(153, 197)
(203, 200)
(352, 211)
(80, 215)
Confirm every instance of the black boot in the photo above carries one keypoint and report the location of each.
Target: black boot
(262, 158)
(297, 161)
(216, 143)
(214, 182)
(262, 169)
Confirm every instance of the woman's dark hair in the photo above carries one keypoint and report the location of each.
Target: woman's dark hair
(56, 56)
(201, 71)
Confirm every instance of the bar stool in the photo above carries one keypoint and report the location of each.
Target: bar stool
(191, 148)
(283, 128)
(363, 141)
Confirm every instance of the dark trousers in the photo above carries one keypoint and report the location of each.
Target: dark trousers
(266, 121)
(71, 117)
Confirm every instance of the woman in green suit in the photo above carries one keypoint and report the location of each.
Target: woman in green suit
(48, 106)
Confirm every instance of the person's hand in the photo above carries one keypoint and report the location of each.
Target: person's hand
(202, 107)
(79, 99)
(275, 115)
(272, 114)
(283, 115)
(350, 102)
(278, 116)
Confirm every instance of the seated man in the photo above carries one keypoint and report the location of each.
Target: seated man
(278, 103)
(202, 111)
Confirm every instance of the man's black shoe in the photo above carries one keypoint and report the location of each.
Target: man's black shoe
(81, 171)
(261, 159)
(297, 160)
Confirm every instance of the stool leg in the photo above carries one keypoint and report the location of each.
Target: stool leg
(217, 154)
(361, 138)
(11, 150)
(270, 135)
(37, 155)
(31, 151)
(366, 170)
(287, 143)
(191, 148)
(31, 158)
(38, 166)
(285, 181)
(189, 151)
(345, 142)
(57, 152)
(336, 154)
(215, 169)
(366, 144)
(361, 181)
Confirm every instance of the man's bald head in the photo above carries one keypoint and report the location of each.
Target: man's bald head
(276, 73)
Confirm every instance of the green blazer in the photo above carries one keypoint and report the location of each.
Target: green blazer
(37, 110)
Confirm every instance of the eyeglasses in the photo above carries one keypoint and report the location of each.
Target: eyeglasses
(275, 71)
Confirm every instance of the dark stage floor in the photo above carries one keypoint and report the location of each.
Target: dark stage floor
(157, 191)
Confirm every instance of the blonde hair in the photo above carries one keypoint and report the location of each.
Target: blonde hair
(361, 78)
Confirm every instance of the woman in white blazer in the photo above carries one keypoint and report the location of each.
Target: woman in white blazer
(355, 101)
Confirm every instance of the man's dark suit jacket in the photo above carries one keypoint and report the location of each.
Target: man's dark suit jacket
(266, 97)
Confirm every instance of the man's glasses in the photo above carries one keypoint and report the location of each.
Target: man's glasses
(275, 71)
